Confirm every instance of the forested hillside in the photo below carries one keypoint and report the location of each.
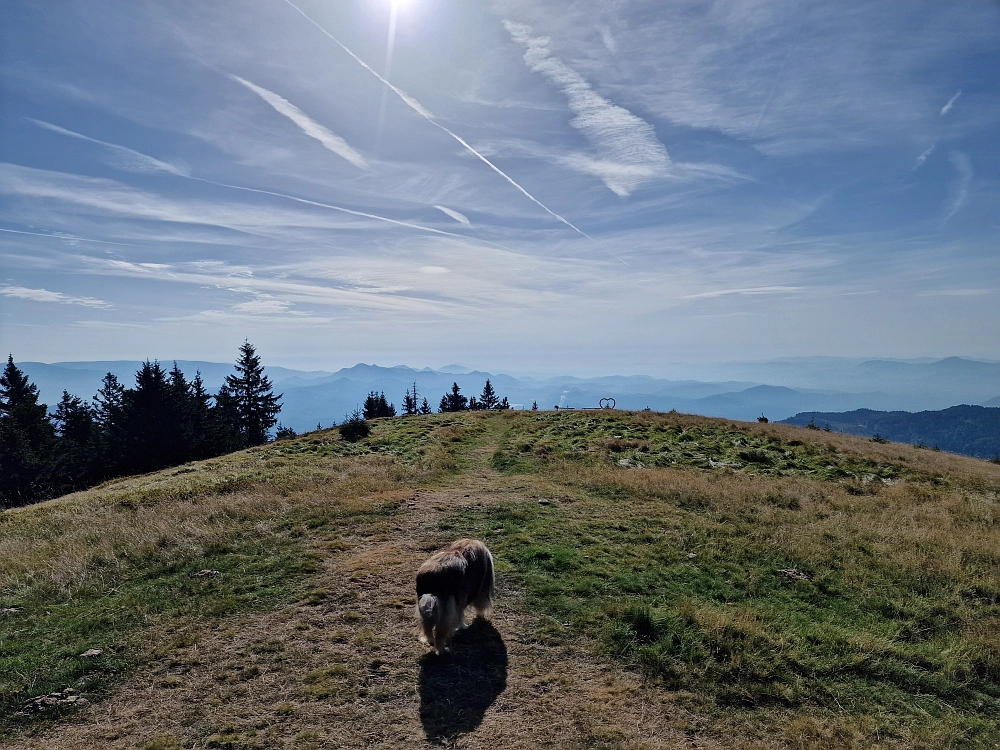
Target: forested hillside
(969, 430)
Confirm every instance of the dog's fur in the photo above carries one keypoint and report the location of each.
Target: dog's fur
(447, 583)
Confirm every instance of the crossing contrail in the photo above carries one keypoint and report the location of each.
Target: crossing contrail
(422, 111)
(330, 206)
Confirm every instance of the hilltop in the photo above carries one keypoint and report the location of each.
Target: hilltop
(664, 581)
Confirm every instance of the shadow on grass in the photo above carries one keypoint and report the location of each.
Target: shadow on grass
(458, 687)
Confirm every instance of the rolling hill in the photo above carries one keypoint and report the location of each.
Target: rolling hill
(663, 581)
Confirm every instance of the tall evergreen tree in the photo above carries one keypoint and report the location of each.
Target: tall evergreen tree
(376, 406)
(199, 420)
(75, 460)
(488, 399)
(453, 401)
(250, 399)
(26, 439)
(410, 402)
(109, 414)
(425, 408)
(153, 421)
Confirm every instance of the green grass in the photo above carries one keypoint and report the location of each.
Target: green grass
(658, 544)
(682, 581)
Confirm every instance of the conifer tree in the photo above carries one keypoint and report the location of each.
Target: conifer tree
(152, 421)
(26, 439)
(410, 403)
(488, 399)
(425, 408)
(376, 406)
(75, 457)
(250, 405)
(453, 401)
(534, 406)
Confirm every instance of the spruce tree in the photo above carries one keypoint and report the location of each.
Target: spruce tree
(534, 406)
(26, 440)
(488, 399)
(152, 422)
(453, 401)
(425, 408)
(254, 405)
(75, 458)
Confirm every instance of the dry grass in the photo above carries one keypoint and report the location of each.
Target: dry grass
(329, 658)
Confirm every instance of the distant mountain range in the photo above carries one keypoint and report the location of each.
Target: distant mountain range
(970, 430)
(777, 389)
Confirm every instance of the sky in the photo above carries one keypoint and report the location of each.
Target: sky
(582, 187)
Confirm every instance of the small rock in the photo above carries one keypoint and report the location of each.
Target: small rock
(9, 610)
(794, 574)
(543, 501)
(692, 555)
(206, 574)
(92, 652)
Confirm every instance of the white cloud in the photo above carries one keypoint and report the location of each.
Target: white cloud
(750, 290)
(459, 217)
(44, 295)
(330, 140)
(124, 158)
(923, 157)
(628, 152)
(960, 190)
(951, 103)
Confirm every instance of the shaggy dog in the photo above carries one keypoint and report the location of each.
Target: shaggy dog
(447, 583)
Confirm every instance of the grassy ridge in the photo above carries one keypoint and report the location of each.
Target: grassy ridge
(890, 604)
(660, 540)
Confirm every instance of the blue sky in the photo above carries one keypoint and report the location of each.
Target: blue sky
(523, 185)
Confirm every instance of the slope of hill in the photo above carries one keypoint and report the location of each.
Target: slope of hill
(661, 577)
(969, 430)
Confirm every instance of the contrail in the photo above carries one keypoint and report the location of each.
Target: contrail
(419, 109)
(334, 208)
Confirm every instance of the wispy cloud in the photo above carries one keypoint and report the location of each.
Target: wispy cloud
(923, 157)
(123, 157)
(330, 140)
(628, 152)
(960, 190)
(44, 295)
(459, 217)
(956, 293)
(423, 112)
(951, 103)
(750, 290)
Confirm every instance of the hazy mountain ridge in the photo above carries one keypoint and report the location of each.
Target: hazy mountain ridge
(778, 389)
(969, 430)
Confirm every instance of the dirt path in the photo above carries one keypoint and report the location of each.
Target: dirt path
(343, 667)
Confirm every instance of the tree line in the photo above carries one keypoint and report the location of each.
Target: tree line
(164, 420)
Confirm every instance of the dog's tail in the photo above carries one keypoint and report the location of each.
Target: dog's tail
(483, 598)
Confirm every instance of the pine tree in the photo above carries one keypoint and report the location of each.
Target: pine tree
(488, 399)
(376, 406)
(503, 405)
(75, 458)
(534, 406)
(152, 422)
(453, 401)
(410, 403)
(425, 408)
(199, 424)
(251, 406)
(26, 440)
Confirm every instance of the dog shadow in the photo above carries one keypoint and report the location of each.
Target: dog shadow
(456, 688)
